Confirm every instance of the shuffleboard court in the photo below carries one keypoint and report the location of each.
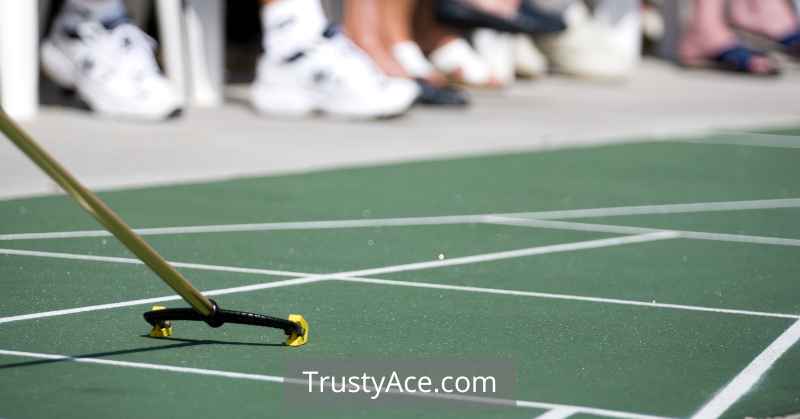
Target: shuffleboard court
(632, 281)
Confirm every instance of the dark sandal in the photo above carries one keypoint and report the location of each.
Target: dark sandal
(528, 19)
(736, 59)
(440, 96)
(790, 45)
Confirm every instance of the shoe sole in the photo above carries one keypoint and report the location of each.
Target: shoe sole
(280, 101)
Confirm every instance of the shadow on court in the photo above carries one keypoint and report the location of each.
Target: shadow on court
(181, 343)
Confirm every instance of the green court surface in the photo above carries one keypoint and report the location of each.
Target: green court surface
(631, 281)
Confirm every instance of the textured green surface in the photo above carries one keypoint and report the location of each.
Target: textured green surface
(327, 250)
(606, 356)
(710, 274)
(635, 359)
(617, 175)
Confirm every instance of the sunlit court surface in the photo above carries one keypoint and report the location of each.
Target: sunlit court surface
(683, 298)
(592, 248)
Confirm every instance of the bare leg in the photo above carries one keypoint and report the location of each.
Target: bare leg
(708, 34)
(397, 25)
(428, 32)
(396, 20)
(773, 18)
(363, 22)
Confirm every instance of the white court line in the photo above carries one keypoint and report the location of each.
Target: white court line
(531, 251)
(754, 139)
(663, 209)
(748, 377)
(616, 229)
(436, 220)
(569, 225)
(569, 297)
(557, 414)
(286, 380)
(142, 301)
(306, 278)
(254, 227)
(133, 261)
(352, 277)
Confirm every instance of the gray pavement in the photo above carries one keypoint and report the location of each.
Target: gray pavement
(230, 141)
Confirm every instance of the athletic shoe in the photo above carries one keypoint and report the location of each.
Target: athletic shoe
(594, 48)
(113, 70)
(334, 77)
(529, 62)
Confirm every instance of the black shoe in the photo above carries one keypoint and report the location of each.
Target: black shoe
(529, 19)
(440, 96)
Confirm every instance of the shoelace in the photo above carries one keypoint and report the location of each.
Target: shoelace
(124, 47)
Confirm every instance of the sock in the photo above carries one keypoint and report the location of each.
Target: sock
(291, 26)
(76, 12)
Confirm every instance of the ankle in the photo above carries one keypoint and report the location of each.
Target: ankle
(291, 26)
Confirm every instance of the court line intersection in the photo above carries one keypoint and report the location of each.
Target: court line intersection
(715, 407)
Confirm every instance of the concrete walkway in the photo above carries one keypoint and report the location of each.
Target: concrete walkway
(232, 141)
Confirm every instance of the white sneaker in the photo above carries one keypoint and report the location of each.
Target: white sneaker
(113, 70)
(529, 62)
(594, 48)
(334, 77)
(497, 50)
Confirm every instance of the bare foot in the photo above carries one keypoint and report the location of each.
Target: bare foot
(703, 41)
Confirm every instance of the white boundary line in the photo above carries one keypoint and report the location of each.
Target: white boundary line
(663, 209)
(570, 297)
(616, 229)
(255, 227)
(557, 414)
(357, 277)
(752, 139)
(748, 377)
(142, 301)
(436, 220)
(133, 261)
(285, 380)
(307, 278)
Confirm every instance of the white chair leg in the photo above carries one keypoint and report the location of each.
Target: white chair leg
(673, 12)
(192, 34)
(205, 41)
(170, 24)
(19, 75)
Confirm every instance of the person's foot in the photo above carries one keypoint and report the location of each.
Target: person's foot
(112, 68)
(512, 16)
(702, 45)
(332, 76)
(774, 19)
(456, 59)
(496, 49)
(594, 48)
(379, 53)
(529, 62)
(409, 55)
